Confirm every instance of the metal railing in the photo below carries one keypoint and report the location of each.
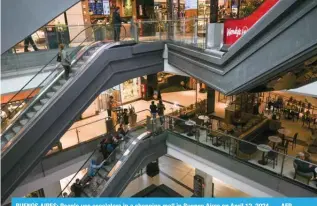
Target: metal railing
(269, 159)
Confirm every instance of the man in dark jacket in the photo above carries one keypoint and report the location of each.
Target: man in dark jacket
(116, 20)
(76, 188)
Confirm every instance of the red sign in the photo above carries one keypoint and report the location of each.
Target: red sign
(235, 28)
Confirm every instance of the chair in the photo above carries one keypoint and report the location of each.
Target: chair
(293, 141)
(272, 156)
(282, 147)
(305, 175)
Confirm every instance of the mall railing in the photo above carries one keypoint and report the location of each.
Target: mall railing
(186, 31)
(112, 159)
(274, 162)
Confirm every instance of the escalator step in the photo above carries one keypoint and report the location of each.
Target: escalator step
(83, 194)
(17, 128)
(103, 173)
(3, 142)
(44, 101)
(57, 87)
(88, 192)
(30, 114)
(10, 135)
(37, 107)
(24, 121)
(85, 58)
(62, 81)
(50, 94)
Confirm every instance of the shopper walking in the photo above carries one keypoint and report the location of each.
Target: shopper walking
(116, 20)
(65, 61)
(153, 109)
(160, 111)
(27, 41)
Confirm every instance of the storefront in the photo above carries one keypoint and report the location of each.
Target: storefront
(122, 94)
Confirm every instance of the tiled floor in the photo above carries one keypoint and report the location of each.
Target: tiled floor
(181, 172)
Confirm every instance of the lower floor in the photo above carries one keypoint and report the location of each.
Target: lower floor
(179, 177)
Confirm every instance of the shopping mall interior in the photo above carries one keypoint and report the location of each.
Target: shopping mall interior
(194, 99)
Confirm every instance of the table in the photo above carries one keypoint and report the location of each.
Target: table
(190, 124)
(203, 117)
(275, 140)
(285, 132)
(263, 148)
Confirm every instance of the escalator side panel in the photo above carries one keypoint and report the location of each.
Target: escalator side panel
(279, 48)
(109, 69)
(147, 151)
(21, 18)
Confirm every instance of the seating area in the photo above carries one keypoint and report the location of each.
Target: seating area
(257, 139)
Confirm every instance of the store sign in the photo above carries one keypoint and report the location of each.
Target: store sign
(106, 7)
(235, 28)
(190, 4)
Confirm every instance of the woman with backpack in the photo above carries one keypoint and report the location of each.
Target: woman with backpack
(63, 58)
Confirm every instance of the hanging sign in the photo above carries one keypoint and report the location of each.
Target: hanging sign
(235, 28)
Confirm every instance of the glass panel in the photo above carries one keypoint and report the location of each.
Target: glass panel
(46, 78)
(106, 164)
(262, 156)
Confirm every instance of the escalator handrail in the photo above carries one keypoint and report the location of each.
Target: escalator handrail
(46, 66)
(5, 148)
(94, 153)
(35, 99)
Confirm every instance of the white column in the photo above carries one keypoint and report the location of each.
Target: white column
(208, 182)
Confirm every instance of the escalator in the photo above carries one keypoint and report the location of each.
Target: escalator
(43, 120)
(139, 148)
(32, 16)
(273, 55)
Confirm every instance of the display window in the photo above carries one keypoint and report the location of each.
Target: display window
(131, 90)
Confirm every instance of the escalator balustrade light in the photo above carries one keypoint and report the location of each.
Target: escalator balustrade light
(126, 152)
(145, 134)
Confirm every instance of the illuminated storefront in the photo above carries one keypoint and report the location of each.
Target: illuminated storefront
(124, 93)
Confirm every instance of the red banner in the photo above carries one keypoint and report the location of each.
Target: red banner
(235, 28)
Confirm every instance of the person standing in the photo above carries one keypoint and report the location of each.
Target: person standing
(116, 20)
(76, 188)
(125, 120)
(160, 111)
(153, 109)
(65, 61)
(109, 105)
(27, 41)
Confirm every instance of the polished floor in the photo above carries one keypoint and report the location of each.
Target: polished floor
(179, 177)
(94, 126)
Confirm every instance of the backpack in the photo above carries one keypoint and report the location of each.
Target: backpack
(59, 57)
